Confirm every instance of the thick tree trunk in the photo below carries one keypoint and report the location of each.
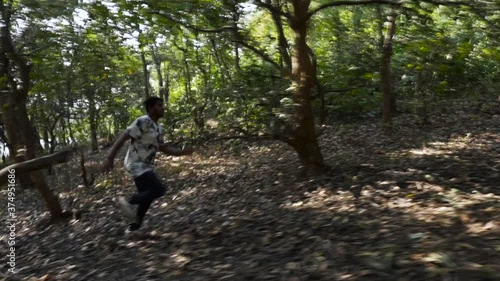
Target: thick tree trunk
(304, 138)
(385, 68)
(11, 127)
(9, 119)
(20, 88)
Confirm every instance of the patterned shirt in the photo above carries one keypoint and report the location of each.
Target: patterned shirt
(146, 137)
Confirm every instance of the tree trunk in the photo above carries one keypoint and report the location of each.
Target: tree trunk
(222, 65)
(70, 131)
(37, 137)
(10, 124)
(68, 111)
(53, 142)
(157, 61)
(145, 73)
(303, 133)
(319, 90)
(236, 18)
(385, 68)
(46, 144)
(200, 66)
(187, 74)
(93, 123)
(285, 60)
(166, 93)
(20, 88)
(38, 178)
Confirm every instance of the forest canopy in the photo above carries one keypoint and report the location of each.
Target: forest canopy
(274, 69)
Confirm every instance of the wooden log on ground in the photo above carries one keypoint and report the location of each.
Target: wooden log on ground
(61, 156)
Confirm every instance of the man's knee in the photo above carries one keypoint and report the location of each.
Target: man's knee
(159, 190)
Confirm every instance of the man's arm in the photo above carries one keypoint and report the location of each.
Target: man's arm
(170, 150)
(118, 144)
(108, 162)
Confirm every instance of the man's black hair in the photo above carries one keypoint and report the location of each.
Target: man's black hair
(150, 102)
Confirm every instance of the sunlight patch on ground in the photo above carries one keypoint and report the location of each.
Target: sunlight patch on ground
(453, 145)
(428, 151)
(456, 210)
(322, 199)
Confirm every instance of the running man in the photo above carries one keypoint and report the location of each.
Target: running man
(146, 137)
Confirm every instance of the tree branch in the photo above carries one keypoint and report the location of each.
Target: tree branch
(36, 164)
(272, 9)
(193, 27)
(351, 3)
(392, 2)
(263, 55)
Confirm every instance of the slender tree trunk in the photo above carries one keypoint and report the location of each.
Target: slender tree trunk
(319, 90)
(71, 136)
(52, 147)
(201, 67)
(385, 67)
(53, 143)
(46, 144)
(145, 73)
(222, 65)
(285, 60)
(93, 123)
(236, 17)
(166, 93)
(157, 61)
(304, 138)
(37, 137)
(53, 140)
(187, 73)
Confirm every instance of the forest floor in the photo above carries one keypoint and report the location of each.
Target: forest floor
(409, 204)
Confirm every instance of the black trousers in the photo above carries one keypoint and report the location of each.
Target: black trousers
(149, 188)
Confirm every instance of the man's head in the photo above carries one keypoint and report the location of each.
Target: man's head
(154, 106)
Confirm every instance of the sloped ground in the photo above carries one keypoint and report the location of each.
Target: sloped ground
(409, 204)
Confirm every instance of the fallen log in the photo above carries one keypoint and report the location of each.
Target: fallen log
(59, 157)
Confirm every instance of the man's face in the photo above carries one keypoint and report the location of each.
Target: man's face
(158, 109)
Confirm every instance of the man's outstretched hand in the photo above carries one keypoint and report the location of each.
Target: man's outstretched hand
(107, 165)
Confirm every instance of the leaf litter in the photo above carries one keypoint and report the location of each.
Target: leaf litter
(406, 204)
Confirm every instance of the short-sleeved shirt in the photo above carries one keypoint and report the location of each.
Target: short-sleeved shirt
(146, 137)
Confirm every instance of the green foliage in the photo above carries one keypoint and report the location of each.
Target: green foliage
(95, 62)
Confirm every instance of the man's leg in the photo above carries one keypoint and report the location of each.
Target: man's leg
(149, 188)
